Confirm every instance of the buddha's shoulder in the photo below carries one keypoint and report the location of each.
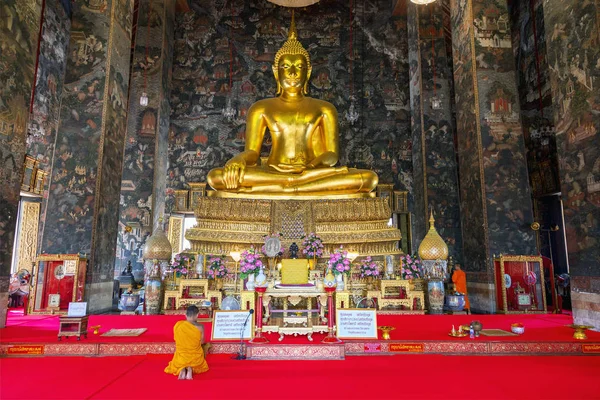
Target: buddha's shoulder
(262, 104)
(322, 104)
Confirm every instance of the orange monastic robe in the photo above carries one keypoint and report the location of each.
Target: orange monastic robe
(460, 285)
(188, 349)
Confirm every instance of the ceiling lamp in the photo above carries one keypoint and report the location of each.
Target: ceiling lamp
(294, 3)
(423, 2)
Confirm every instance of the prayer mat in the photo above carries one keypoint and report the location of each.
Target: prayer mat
(125, 332)
(496, 332)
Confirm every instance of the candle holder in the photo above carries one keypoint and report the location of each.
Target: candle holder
(579, 333)
(331, 338)
(258, 337)
(385, 331)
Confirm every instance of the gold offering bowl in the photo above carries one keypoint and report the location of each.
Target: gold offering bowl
(385, 331)
(580, 331)
(96, 329)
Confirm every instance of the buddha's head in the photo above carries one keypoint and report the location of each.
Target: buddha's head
(292, 67)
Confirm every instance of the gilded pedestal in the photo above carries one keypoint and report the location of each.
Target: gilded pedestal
(234, 223)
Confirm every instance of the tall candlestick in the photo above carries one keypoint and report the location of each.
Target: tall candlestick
(331, 337)
(258, 337)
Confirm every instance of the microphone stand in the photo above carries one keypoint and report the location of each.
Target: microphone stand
(241, 355)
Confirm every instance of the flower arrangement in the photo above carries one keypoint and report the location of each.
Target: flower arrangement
(339, 262)
(181, 264)
(250, 263)
(274, 235)
(369, 268)
(216, 268)
(312, 245)
(411, 267)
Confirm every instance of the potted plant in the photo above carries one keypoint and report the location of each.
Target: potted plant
(250, 265)
(369, 270)
(312, 248)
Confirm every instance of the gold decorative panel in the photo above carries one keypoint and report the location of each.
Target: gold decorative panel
(28, 234)
(175, 231)
(226, 224)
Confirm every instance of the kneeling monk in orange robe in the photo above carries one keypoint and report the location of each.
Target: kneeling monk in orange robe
(189, 355)
(460, 284)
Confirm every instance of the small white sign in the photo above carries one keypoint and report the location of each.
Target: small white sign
(227, 325)
(54, 300)
(77, 309)
(356, 323)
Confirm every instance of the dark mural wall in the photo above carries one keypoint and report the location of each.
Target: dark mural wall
(83, 197)
(145, 160)
(493, 168)
(52, 60)
(19, 32)
(474, 218)
(573, 52)
(205, 61)
(535, 95)
(434, 157)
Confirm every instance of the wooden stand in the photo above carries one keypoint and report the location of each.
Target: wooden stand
(73, 326)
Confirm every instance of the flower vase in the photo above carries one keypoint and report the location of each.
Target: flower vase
(250, 282)
(312, 262)
(339, 279)
(435, 295)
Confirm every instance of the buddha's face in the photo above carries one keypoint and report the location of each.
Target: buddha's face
(292, 73)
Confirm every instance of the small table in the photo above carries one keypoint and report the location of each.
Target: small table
(73, 326)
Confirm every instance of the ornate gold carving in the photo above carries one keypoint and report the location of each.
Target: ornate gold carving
(28, 235)
(175, 231)
(226, 224)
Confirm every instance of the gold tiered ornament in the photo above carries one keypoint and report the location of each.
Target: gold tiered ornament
(433, 252)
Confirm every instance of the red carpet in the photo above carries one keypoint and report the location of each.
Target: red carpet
(392, 377)
(538, 328)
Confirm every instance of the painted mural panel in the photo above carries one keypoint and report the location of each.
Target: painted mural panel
(19, 32)
(52, 60)
(205, 63)
(147, 133)
(529, 37)
(440, 157)
(573, 48)
(418, 192)
(508, 197)
(474, 220)
(112, 142)
(72, 191)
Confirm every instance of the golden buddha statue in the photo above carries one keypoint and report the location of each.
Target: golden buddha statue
(305, 140)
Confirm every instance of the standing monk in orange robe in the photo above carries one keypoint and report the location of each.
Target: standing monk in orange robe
(189, 355)
(460, 284)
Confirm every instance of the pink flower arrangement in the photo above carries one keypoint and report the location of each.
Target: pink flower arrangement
(339, 262)
(250, 263)
(273, 235)
(216, 268)
(369, 268)
(182, 263)
(411, 267)
(312, 245)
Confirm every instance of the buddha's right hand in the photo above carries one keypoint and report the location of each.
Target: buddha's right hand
(233, 172)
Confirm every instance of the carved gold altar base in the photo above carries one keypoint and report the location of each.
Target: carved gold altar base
(233, 223)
